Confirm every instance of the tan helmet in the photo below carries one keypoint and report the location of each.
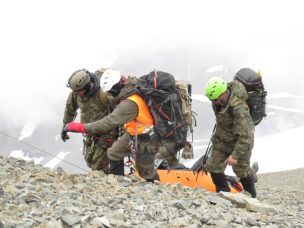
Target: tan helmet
(78, 80)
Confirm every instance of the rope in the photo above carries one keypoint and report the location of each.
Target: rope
(43, 151)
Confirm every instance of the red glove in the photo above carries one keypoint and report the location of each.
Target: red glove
(75, 127)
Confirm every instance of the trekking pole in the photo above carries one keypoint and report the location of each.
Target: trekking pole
(189, 88)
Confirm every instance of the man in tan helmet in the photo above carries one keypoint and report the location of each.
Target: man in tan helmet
(132, 112)
(94, 104)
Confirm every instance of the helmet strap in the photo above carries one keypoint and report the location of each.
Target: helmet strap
(87, 88)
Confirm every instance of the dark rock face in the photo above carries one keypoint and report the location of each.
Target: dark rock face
(33, 196)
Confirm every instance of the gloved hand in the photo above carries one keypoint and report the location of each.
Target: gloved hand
(187, 151)
(75, 127)
(64, 135)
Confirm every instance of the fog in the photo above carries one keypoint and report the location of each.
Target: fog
(43, 42)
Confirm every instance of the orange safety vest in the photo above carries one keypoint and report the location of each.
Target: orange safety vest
(144, 121)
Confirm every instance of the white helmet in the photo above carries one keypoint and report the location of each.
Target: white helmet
(109, 78)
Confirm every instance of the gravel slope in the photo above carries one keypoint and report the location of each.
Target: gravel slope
(285, 190)
(293, 178)
(33, 196)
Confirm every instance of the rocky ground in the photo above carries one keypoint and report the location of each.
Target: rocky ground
(32, 196)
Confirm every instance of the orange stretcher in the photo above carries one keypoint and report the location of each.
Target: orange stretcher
(193, 179)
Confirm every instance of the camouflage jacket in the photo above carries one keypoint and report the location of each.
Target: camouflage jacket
(124, 112)
(233, 122)
(91, 109)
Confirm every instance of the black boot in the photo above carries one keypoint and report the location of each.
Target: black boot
(248, 185)
(117, 167)
(221, 184)
(156, 177)
(254, 170)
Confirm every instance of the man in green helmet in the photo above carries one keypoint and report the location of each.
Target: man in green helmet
(94, 104)
(233, 138)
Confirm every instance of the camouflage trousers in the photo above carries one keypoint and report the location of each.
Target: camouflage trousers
(144, 157)
(95, 154)
(168, 152)
(220, 152)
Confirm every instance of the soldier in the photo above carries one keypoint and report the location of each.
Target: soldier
(233, 138)
(94, 104)
(131, 111)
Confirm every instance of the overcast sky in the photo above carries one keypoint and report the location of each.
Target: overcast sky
(43, 42)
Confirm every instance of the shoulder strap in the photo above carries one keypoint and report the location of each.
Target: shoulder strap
(106, 101)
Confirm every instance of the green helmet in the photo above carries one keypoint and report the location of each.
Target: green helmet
(215, 87)
(78, 80)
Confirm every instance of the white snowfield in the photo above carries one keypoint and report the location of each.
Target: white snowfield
(276, 107)
(200, 97)
(283, 95)
(281, 151)
(277, 152)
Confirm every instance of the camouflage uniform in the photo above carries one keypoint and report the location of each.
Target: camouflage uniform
(148, 146)
(168, 152)
(234, 134)
(96, 145)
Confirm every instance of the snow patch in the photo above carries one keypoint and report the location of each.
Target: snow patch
(285, 109)
(200, 97)
(283, 95)
(271, 113)
(200, 140)
(27, 131)
(19, 154)
(220, 68)
(56, 160)
(200, 147)
(279, 152)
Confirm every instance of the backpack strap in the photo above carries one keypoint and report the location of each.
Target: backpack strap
(155, 78)
(106, 101)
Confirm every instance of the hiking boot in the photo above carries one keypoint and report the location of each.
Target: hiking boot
(248, 185)
(254, 170)
(161, 164)
(220, 181)
(156, 177)
(117, 167)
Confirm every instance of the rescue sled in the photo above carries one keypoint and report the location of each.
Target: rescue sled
(195, 179)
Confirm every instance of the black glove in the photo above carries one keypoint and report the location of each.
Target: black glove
(64, 135)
